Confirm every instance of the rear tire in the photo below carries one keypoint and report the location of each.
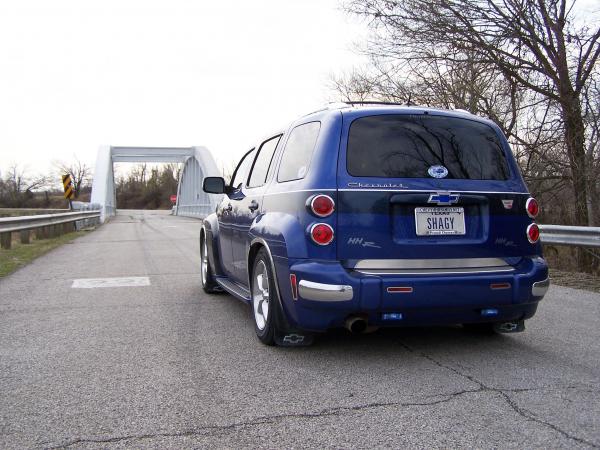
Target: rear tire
(265, 301)
(209, 285)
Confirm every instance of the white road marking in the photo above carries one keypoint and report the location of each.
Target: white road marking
(91, 283)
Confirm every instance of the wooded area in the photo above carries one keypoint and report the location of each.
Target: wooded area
(530, 66)
(143, 187)
(147, 187)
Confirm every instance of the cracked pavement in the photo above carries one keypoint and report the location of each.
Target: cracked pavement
(167, 366)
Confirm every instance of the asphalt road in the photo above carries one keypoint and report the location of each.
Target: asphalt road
(166, 366)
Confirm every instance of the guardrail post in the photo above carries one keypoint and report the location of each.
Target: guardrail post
(6, 240)
(25, 236)
(42, 233)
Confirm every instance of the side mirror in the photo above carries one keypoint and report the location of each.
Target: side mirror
(214, 185)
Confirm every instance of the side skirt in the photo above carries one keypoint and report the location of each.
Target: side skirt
(239, 292)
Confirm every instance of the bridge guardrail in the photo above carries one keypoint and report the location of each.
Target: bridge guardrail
(51, 225)
(570, 235)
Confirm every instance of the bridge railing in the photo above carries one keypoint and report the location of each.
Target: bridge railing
(47, 225)
(195, 210)
(570, 235)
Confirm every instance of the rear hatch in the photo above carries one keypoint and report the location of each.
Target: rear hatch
(429, 190)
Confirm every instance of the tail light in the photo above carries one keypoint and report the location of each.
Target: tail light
(321, 205)
(532, 207)
(321, 233)
(533, 233)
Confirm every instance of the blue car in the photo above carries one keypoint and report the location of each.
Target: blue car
(363, 216)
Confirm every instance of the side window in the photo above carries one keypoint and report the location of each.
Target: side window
(242, 169)
(298, 152)
(258, 176)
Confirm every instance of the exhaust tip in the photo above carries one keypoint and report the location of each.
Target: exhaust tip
(356, 325)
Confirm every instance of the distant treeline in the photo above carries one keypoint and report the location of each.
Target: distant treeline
(143, 187)
(20, 189)
(147, 187)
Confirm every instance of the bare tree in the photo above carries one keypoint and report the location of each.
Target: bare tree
(17, 186)
(591, 96)
(539, 47)
(535, 44)
(357, 85)
(19, 181)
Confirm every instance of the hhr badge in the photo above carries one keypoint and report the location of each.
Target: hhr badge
(360, 241)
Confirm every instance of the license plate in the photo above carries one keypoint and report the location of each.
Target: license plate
(440, 221)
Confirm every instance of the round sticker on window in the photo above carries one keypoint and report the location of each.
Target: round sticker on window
(438, 172)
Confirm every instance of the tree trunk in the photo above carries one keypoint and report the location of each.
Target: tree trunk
(575, 142)
(592, 186)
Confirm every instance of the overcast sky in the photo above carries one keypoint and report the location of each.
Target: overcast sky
(76, 74)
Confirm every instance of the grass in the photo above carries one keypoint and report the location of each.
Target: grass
(21, 254)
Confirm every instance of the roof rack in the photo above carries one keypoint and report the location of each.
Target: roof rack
(370, 102)
(347, 104)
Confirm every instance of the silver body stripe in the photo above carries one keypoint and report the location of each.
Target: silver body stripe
(395, 191)
(430, 190)
(299, 190)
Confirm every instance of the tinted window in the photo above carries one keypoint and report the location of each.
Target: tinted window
(298, 152)
(406, 146)
(262, 162)
(242, 169)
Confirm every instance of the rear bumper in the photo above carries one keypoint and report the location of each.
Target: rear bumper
(328, 293)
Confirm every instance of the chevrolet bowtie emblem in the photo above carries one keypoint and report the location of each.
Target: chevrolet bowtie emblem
(443, 198)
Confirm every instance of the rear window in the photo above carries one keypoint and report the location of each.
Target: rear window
(408, 146)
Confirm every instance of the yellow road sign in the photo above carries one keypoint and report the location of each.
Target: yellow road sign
(68, 186)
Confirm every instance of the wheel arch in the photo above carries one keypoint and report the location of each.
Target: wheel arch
(255, 245)
(210, 232)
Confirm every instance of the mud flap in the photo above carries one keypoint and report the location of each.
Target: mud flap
(287, 336)
(515, 326)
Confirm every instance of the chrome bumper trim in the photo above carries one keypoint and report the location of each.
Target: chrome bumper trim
(427, 264)
(539, 288)
(321, 292)
(458, 271)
